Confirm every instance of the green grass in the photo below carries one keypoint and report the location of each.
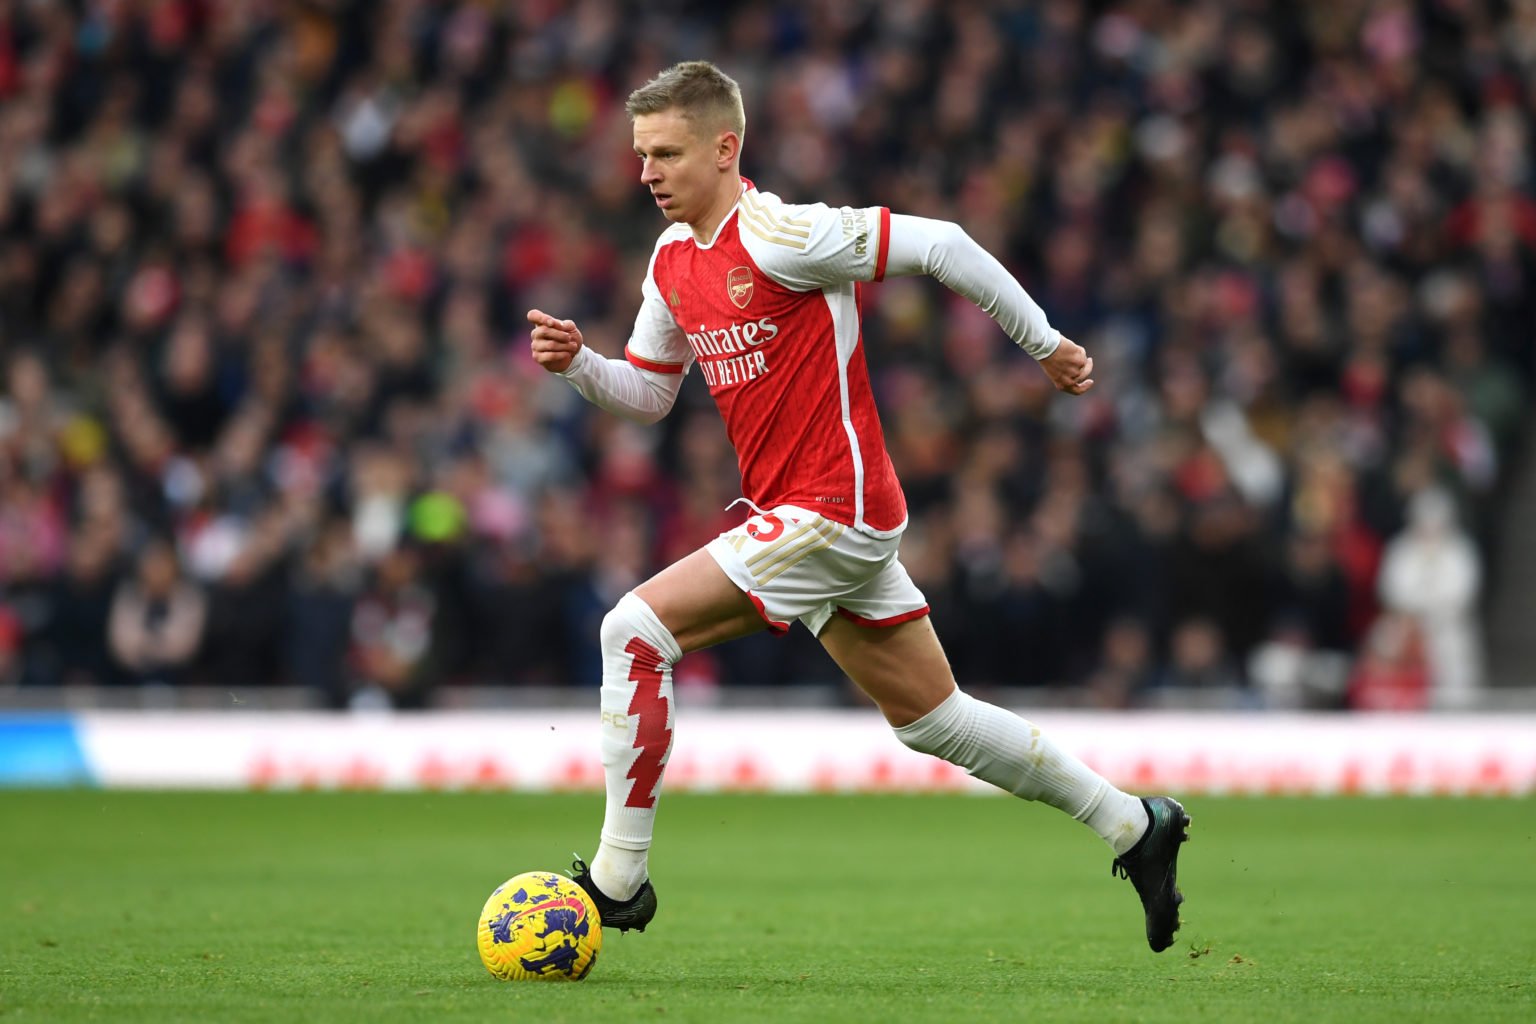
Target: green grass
(350, 907)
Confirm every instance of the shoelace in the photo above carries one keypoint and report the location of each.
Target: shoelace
(1118, 869)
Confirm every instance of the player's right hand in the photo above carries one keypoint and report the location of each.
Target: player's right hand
(555, 342)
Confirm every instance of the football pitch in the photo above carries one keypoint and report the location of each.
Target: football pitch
(159, 907)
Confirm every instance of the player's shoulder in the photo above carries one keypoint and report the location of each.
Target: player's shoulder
(808, 245)
(768, 218)
(771, 205)
(772, 229)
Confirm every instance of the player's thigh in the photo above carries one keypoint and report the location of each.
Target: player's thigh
(698, 603)
(901, 667)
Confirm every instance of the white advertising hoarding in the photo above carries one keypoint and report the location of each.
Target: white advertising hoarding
(805, 751)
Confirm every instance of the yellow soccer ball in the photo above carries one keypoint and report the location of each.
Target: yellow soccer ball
(539, 926)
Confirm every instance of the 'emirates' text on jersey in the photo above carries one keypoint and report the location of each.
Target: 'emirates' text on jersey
(770, 311)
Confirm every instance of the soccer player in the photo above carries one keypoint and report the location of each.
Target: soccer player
(763, 296)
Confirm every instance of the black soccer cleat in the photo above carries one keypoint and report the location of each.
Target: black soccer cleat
(1152, 866)
(635, 912)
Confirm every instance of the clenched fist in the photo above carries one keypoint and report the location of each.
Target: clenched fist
(1068, 367)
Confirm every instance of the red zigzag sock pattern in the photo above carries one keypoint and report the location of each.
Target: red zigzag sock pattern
(652, 737)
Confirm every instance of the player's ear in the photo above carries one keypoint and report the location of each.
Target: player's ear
(727, 149)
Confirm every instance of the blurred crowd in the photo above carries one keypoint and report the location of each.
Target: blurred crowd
(267, 413)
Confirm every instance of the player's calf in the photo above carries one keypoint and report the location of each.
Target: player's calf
(1013, 754)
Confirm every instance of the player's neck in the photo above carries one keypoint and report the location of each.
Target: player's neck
(726, 197)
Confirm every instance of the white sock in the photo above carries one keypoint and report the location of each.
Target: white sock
(619, 872)
(638, 655)
(999, 747)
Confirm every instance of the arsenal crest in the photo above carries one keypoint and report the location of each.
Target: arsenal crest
(739, 283)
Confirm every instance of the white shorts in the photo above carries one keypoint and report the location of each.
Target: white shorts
(796, 564)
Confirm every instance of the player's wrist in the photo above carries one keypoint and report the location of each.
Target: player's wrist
(1044, 351)
(574, 364)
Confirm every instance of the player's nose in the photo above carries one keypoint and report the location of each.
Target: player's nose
(649, 175)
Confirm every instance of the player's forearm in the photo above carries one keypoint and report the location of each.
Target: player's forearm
(622, 388)
(944, 251)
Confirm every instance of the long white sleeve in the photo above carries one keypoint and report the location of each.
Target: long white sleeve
(623, 388)
(944, 251)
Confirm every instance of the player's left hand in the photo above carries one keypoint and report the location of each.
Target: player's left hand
(1069, 367)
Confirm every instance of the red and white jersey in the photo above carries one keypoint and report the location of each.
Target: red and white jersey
(770, 311)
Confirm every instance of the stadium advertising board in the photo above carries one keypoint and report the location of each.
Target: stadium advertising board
(810, 751)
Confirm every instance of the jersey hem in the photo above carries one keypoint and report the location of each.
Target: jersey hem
(879, 534)
(831, 513)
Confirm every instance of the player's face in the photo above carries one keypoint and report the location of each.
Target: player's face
(678, 164)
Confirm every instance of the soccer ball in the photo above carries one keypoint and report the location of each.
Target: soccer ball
(539, 926)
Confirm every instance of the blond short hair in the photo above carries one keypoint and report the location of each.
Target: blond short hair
(698, 90)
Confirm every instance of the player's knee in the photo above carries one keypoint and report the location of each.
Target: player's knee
(944, 730)
(632, 621)
(615, 626)
(924, 741)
